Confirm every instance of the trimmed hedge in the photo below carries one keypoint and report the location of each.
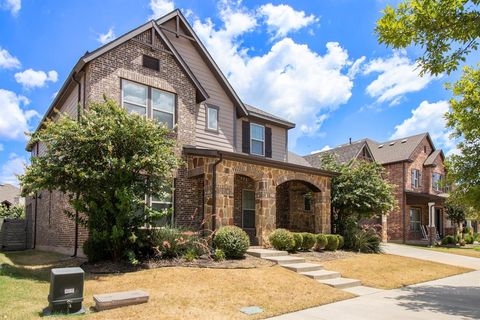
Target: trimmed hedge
(332, 242)
(321, 242)
(308, 241)
(341, 241)
(232, 240)
(298, 238)
(282, 239)
(448, 240)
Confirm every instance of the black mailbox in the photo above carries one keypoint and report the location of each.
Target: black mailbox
(66, 290)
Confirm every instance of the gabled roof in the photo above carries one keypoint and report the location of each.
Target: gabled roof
(259, 113)
(342, 154)
(89, 56)
(297, 159)
(431, 158)
(9, 192)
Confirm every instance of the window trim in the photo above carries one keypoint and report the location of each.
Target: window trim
(252, 138)
(122, 93)
(149, 200)
(207, 117)
(419, 219)
(149, 106)
(307, 197)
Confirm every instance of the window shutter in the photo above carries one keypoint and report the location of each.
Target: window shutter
(245, 137)
(412, 175)
(268, 142)
(420, 178)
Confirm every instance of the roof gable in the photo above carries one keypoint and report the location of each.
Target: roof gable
(397, 150)
(342, 154)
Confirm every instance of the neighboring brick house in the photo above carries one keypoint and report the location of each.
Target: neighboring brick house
(238, 169)
(416, 168)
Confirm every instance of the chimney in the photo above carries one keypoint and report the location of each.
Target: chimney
(350, 140)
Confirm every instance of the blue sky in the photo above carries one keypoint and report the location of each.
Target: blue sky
(316, 63)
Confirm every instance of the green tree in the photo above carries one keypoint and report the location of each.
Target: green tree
(456, 213)
(447, 31)
(13, 212)
(106, 162)
(359, 192)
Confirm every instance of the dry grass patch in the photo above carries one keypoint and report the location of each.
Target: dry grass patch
(175, 293)
(388, 271)
(469, 252)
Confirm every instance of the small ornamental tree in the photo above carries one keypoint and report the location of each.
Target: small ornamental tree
(106, 163)
(456, 213)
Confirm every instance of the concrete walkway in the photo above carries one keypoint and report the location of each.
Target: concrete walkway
(430, 255)
(450, 298)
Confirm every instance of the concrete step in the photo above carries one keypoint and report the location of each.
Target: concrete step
(303, 267)
(284, 260)
(362, 290)
(264, 253)
(341, 283)
(321, 274)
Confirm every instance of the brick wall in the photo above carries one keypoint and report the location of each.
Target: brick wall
(394, 174)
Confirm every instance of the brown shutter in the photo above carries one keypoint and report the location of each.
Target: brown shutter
(245, 137)
(268, 142)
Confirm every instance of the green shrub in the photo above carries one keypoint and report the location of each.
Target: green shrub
(366, 241)
(321, 242)
(475, 237)
(172, 242)
(308, 241)
(96, 248)
(341, 241)
(332, 242)
(282, 239)
(219, 255)
(298, 238)
(468, 230)
(190, 255)
(233, 241)
(448, 240)
(468, 239)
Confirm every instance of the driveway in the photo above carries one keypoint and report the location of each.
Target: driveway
(430, 255)
(450, 298)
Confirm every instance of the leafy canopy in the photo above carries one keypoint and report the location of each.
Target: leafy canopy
(106, 162)
(447, 31)
(16, 211)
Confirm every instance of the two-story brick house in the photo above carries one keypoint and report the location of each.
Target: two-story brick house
(238, 169)
(416, 168)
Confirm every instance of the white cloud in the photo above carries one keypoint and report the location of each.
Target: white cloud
(326, 148)
(106, 37)
(14, 120)
(289, 80)
(160, 8)
(428, 117)
(31, 78)
(14, 166)
(7, 61)
(398, 76)
(282, 19)
(13, 6)
(355, 67)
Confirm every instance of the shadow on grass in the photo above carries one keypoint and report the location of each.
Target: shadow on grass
(450, 300)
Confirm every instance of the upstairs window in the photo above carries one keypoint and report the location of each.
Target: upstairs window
(257, 139)
(415, 178)
(149, 102)
(437, 181)
(212, 118)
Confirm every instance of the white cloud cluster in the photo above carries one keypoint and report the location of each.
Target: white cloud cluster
(13, 6)
(397, 76)
(31, 78)
(14, 166)
(106, 37)
(428, 117)
(290, 80)
(283, 19)
(7, 61)
(14, 120)
(160, 8)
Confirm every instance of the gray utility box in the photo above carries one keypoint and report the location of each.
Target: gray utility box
(66, 290)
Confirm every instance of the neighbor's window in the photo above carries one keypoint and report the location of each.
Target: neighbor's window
(212, 118)
(248, 209)
(415, 178)
(134, 97)
(161, 105)
(436, 181)
(257, 139)
(415, 219)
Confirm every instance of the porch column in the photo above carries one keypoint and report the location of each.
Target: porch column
(265, 207)
(432, 232)
(322, 212)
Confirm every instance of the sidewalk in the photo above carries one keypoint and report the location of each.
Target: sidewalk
(449, 298)
(430, 255)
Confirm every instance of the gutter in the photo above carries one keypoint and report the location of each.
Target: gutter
(214, 190)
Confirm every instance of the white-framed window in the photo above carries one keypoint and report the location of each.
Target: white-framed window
(248, 209)
(160, 203)
(257, 139)
(436, 181)
(150, 102)
(415, 178)
(212, 118)
(415, 214)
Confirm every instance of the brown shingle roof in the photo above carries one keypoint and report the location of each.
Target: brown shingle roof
(297, 159)
(395, 150)
(254, 111)
(431, 158)
(342, 154)
(9, 193)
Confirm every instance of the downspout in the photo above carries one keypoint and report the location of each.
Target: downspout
(404, 205)
(214, 191)
(36, 204)
(75, 250)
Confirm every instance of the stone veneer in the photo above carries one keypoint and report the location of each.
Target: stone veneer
(266, 179)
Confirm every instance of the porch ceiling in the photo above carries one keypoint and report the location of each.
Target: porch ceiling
(416, 198)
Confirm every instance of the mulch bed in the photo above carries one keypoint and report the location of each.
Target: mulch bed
(109, 267)
(325, 255)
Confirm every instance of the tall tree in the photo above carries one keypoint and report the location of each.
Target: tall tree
(107, 162)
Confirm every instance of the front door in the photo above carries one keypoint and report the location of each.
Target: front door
(248, 215)
(438, 221)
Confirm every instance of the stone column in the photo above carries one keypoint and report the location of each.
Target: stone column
(432, 232)
(265, 209)
(322, 212)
